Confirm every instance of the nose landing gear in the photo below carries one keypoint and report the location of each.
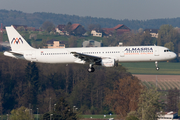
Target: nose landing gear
(156, 64)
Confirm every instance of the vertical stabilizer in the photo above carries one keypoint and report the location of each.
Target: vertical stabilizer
(16, 41)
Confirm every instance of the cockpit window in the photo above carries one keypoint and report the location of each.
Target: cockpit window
(167, 50)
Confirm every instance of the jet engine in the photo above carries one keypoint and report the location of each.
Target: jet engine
(108, 62)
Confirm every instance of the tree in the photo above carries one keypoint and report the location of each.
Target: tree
(62, 111)
(168, 34)
(33, 36)
(146, 39)
(21, 28)
(95, 27)
(68, 28)
(21, 113)
(48, 26)
(140, 30)
(72, 41)
(123, 98)
(170, 45)
(1, 108)
(32, 75)
(179, 109)
(173, 99)
(1, 100)
(32, 78)
(45, 99)
(132, 116)
(149, 104)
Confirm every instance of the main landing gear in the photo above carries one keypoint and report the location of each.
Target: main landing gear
(91, 68)
(156, 64)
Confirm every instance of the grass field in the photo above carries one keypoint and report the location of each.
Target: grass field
(166, 68)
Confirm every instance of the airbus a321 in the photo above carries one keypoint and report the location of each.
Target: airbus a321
(103, 56)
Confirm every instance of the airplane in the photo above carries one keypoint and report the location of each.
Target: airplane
(103, 56)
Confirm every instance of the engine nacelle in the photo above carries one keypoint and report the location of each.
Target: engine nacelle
(108, 62)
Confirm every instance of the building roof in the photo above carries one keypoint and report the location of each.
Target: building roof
(74, 26)
(152, 30)
(120, 29)
(121, 26)
(170, 113)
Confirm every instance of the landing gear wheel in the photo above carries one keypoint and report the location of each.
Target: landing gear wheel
(91, 70)
(157, 68)
(156, 64)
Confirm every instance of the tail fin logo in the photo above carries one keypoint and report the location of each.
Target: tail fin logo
(16, 41)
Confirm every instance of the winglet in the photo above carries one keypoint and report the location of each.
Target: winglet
(16, 41)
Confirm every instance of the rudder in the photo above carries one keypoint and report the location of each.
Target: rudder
(16, 41)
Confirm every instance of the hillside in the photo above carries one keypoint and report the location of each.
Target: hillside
(37, 19)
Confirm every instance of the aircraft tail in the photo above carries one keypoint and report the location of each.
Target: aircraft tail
(16, 41)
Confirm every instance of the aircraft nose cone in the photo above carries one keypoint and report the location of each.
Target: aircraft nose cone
(175, 55)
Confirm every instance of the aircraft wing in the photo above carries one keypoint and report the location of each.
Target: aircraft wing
(87, 58)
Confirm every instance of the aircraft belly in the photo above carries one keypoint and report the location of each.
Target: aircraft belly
(137, 58)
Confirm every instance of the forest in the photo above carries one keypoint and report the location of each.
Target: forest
(32, 85)
(108, 90)
(38, 18)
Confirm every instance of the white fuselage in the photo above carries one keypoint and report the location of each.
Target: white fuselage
(120, 54)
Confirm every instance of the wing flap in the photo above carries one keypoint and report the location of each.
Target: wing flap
(85, 57)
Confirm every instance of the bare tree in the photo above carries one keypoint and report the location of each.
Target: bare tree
(48, 26)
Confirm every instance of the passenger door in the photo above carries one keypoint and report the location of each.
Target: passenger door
(156, 51)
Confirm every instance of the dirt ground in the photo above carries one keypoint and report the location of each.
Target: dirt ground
(163, 82)
(159, 77)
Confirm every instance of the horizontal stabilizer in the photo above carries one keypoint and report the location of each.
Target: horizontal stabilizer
(16, 53)
(13, 54)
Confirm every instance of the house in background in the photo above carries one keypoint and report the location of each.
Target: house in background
(74, 29)
(77, 29)
(61, 30)
(96, 34)
(153, 32)
(92, 43)
(119, 29)
(168, 116)
(54, 44)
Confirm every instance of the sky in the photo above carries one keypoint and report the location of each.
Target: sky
(115, 9)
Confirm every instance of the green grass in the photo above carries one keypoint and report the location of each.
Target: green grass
(166, 68)
(98, 116)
